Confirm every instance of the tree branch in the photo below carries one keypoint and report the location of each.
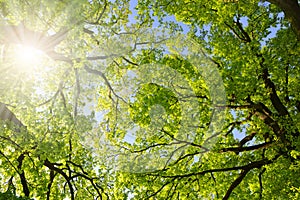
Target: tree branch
(245, 170)
(248, 148)
(276, 102)
(51, 166)
(22, 175)
(52, 176)
(291, 10)
(260, 182)
(99, 73)
(252, 165)
(8, 115)
(236, 183)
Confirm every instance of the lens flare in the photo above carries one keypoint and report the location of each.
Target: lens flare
(27, 58)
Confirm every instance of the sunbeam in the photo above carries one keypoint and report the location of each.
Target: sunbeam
(27, 56)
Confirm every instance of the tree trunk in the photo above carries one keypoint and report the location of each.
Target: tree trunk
(291, 10)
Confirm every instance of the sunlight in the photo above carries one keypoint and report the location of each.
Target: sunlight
(28, 57)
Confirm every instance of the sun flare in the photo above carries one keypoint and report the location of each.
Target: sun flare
(27, 55)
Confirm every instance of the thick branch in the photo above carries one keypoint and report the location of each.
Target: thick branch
(22, 175)
(236, 183)
(245, 34)
(235, 32)
(263, 114)
(96, 186)
(276, 102)
(260, 182)
(245, 170)
(291, 10)
(8, 115)
(51, 166)
(52, 176)
(252, 165)
(248, 148)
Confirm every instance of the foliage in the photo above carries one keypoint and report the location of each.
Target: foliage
(114, 109)
(254, 154)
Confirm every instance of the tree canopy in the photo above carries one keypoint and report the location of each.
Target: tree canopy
(149, 99)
